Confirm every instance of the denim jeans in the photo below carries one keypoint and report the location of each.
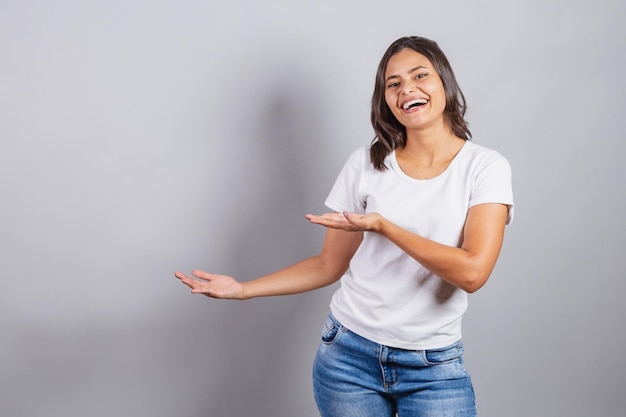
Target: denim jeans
(355, 377)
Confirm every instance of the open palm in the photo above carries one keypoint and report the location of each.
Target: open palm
(212, 285)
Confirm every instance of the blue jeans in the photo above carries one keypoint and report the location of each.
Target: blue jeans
(355, 377)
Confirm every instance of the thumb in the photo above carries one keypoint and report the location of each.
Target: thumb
(350, 217)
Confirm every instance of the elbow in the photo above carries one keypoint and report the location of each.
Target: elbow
(471, 288)
(474, 274)
(473, 281)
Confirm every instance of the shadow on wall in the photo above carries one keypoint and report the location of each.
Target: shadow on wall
(262, 339)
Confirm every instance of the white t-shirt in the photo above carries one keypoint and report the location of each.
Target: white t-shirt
(387, 296)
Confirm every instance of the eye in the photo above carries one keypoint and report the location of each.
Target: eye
(393, 84)
(421, 75)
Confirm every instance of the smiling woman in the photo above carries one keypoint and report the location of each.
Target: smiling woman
(418, 222)
(414, 91)
(422, 60)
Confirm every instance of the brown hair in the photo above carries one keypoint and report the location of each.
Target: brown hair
(390, 134)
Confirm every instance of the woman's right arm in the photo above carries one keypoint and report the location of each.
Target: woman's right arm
(309, 274)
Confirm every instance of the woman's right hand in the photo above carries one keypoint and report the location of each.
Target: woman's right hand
(212, 285)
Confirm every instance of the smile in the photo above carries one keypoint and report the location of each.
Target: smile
(414, 103)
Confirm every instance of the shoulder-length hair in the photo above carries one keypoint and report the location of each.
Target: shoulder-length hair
(391, 134)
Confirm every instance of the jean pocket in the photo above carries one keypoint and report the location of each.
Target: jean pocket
(444, 355)
(330, 330)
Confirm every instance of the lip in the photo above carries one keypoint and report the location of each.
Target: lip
(415, 108)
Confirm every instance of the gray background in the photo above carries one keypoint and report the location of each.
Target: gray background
(142, 137)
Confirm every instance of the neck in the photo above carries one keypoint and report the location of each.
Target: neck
(426, 155)
(433, 143)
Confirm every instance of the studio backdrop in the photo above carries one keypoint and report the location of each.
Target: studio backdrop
(138, 138)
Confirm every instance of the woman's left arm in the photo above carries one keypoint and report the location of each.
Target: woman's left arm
(467, 267)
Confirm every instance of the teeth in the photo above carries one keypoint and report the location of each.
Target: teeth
(412, 103)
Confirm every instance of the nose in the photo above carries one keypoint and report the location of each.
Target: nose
(408, 88)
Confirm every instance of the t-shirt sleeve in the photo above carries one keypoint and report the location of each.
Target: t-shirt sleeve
(344, 196)
(493, 184)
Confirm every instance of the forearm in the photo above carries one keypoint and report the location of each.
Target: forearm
(467, 267)
(306, 275)
(455, 265)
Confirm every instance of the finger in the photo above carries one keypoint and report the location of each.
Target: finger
(327, 218)
(185, 279)
(327, 222)
(205, 291)
(191, 283)
(202, 275)
(333, 216)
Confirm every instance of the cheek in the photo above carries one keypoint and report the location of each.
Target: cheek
(441, 91)
(436, 92)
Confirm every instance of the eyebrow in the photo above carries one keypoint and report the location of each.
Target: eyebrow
(412, 70)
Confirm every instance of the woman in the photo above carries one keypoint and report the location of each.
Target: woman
(418, 222)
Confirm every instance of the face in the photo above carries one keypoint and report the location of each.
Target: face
(414, 91)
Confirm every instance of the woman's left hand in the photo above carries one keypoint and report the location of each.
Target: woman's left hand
(350, 222)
